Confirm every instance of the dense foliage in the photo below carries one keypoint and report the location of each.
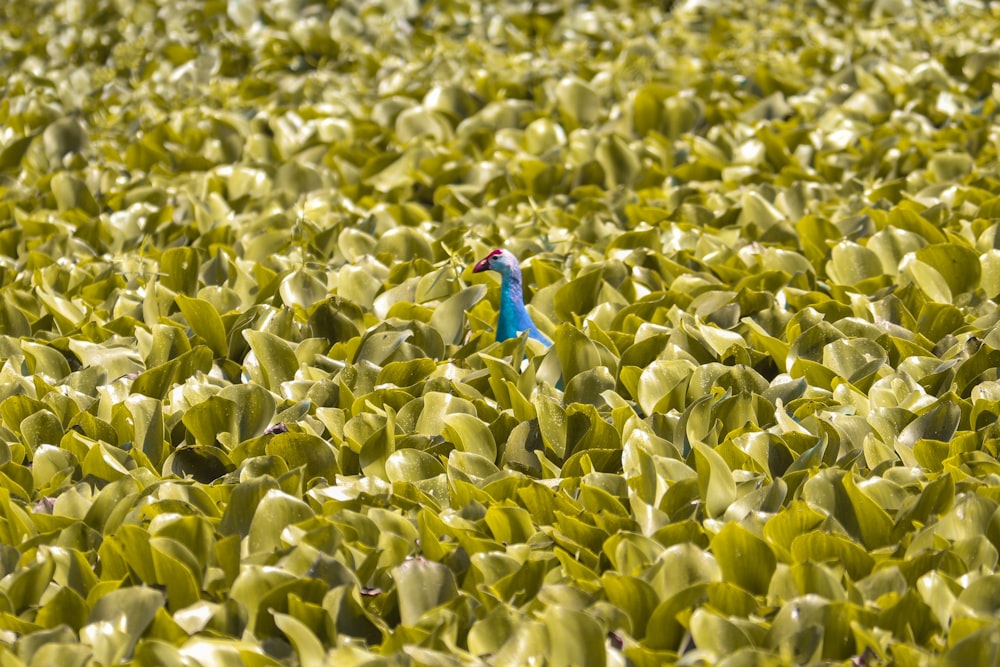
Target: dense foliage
(252, 412)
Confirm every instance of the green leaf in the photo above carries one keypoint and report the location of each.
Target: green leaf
(892, 245)
(422, 585)
(255, 408)
(621, 165)
(406, 373)
(52, 467)
(449, 317)
(45, 360)
(179, 268)
(931, 282)
(745, 559)
(681, 567)
(851, 263)
(578, 296)
(470, 434)
(157, 381)
(377, 346)
(117, 621)
(204, 463)
(71, 193)
(874, 524)
(13, 152)
(910, 220)
(349, 616)
(666, 618)
(552, 424)
(406, 243)
(822, 547)
(854, 359)
(275, 512)
(663, 385)
(576, 352)
(636, 597)
(304, 449)
(412, 465)
(715, 479)
(511, 525)
(938, 423)
(308, 648)
(575, 638)
(590, 387)
(106, 462)
(210, 419)
(488, 634)
(204, 320)
(577, 100)
(936, 498)
(274, 356)
(114, 361)
(242, 506)
(40, 428)
(148, 426)
(28, 584)
(979, 597)
(717, 634)
(177, 570)
(979, 648)
(990, 273)
(302, 288)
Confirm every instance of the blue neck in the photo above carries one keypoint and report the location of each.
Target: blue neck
(514, 317)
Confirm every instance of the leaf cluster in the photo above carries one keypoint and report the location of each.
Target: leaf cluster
(252, 411)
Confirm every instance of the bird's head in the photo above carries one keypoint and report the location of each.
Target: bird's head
(501, 261)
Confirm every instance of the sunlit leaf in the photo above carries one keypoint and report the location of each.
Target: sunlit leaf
(204, 320)
(276, 358)
(118, 620)
(422, 585)
(745, 559)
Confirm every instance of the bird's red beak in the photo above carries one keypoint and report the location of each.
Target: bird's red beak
(482, 265)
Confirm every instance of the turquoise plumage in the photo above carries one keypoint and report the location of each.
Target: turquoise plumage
(514, 317)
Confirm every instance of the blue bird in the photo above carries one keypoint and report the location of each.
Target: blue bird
(514, 317)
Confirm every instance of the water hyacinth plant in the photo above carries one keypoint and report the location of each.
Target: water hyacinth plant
(255, 408)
